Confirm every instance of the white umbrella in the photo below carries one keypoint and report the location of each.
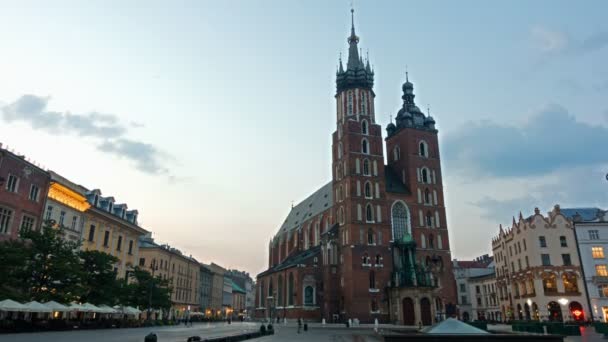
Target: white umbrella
(76, 307)
(91, 308)
(107, 309)
(53, 305)
(34, 306)
(11, 305)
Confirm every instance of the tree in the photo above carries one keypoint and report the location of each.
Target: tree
(52, 266)
(13, 259)
(143, 285)
(99, 282)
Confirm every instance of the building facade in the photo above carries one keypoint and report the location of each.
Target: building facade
(538, 272)
(464, 271)
(484, 303)
(243, 281)
(23, 190)
(66, 205)
(591, 227)
(217, 289)
(373, 242)
(206, 283)
(183, 273)
(238, 300)
(112, 229)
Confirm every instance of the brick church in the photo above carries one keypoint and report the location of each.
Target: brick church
(373, 242)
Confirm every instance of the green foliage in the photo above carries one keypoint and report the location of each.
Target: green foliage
(42, 266)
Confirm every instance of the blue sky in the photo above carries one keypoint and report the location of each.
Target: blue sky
(211, 117)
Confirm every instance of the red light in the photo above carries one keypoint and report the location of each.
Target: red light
(577, 313)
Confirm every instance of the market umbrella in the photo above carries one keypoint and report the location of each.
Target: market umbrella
(107, 309)
(75, 307)
(91, 308)
(11, 305)
(53, 305)
(34, 306)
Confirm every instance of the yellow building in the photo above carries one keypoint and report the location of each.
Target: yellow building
(112, 229)
(183, 273)
(66, 204)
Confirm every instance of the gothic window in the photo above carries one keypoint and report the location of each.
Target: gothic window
(280, 291)
(427, 196)
(423, 149)
(290, 290)
(339, 171)
(396, 153)
(270, 292)
(378, 259)
(341, 215)
(368, 190)
(262, 291)
(357, 166)
(350, 103)
(365, 259)
(309, 296)
(366, 167)
(339, 132)
(363, 104)
(339, 150)
(429, 219)
(369, 213)
(364, 128)
(425, 175)
(422, 241)
(401, 220)
(431, 242)
(370, 236)
(364, 146)
(372, 280)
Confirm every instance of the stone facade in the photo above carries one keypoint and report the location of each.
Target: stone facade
(538, 270)
(484, 295)
(23, 190)
(464, 272)
(375, 238)
(66, 205)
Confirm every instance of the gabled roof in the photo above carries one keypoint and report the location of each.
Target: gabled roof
(293, 260)
(314, 204)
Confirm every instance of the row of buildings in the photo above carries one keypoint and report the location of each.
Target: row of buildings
(30, 196)
(544, 267)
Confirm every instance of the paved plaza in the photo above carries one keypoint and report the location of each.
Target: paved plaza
(316, 333)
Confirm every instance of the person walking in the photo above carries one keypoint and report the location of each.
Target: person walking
(299, 324)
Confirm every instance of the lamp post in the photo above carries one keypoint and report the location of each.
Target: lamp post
(154, 267)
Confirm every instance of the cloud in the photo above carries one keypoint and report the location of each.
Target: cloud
(146, 157)
(550, 140)
(595, 41)
(549, 41)
(577, 187)
(32, 109)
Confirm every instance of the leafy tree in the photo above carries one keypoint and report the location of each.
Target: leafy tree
(13, 259)
(99, 282)
(145, 289)
(52, 266)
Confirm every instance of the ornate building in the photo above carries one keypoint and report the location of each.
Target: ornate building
(373, 242)
(538, 272)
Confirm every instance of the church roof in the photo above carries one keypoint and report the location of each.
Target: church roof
(314, 204)
(293, 260)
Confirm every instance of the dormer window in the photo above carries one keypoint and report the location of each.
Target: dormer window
(96, 201)
(111, 207)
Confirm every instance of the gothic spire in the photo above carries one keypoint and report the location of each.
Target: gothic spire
(358, 73)
(353, 50)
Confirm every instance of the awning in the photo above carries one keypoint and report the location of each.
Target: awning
(53, 305)
(34, 306)
(11, 305)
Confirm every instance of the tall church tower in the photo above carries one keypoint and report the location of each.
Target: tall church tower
(359, 190)
(413, 156)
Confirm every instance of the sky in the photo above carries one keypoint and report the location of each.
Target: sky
(211, 117)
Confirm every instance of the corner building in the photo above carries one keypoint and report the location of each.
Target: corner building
(372, 243)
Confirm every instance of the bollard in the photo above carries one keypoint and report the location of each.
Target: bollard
(305, 326)
(323, 321)
(151, 337)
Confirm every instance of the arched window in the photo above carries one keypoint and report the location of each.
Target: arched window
(570, 283)
(270, 290)
(280, 291)
(549, 283)
(378, 259)
(427, 196)
(396, 153)
(290, 290)
(372, 280)
(339, 132)
(370, 236)
(306, 237)
(341, 216)
(357, 166)
(340, 193)
(350, 103)
(364, 127)
(309, 296)
(262, 292)
(364, 146)
(431, 242)
(363, 104)
(422, 241)
(366, 167)
(365, 259)
(339, 171)
(400, 220)
(429, 219)
(423, 149)
(369, 213)
(340, 150)
(425, 175)
(367, 190)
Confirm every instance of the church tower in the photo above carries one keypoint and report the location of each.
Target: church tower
(359, 192)
(413, 157)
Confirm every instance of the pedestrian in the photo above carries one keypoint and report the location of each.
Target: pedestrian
(299, 324)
